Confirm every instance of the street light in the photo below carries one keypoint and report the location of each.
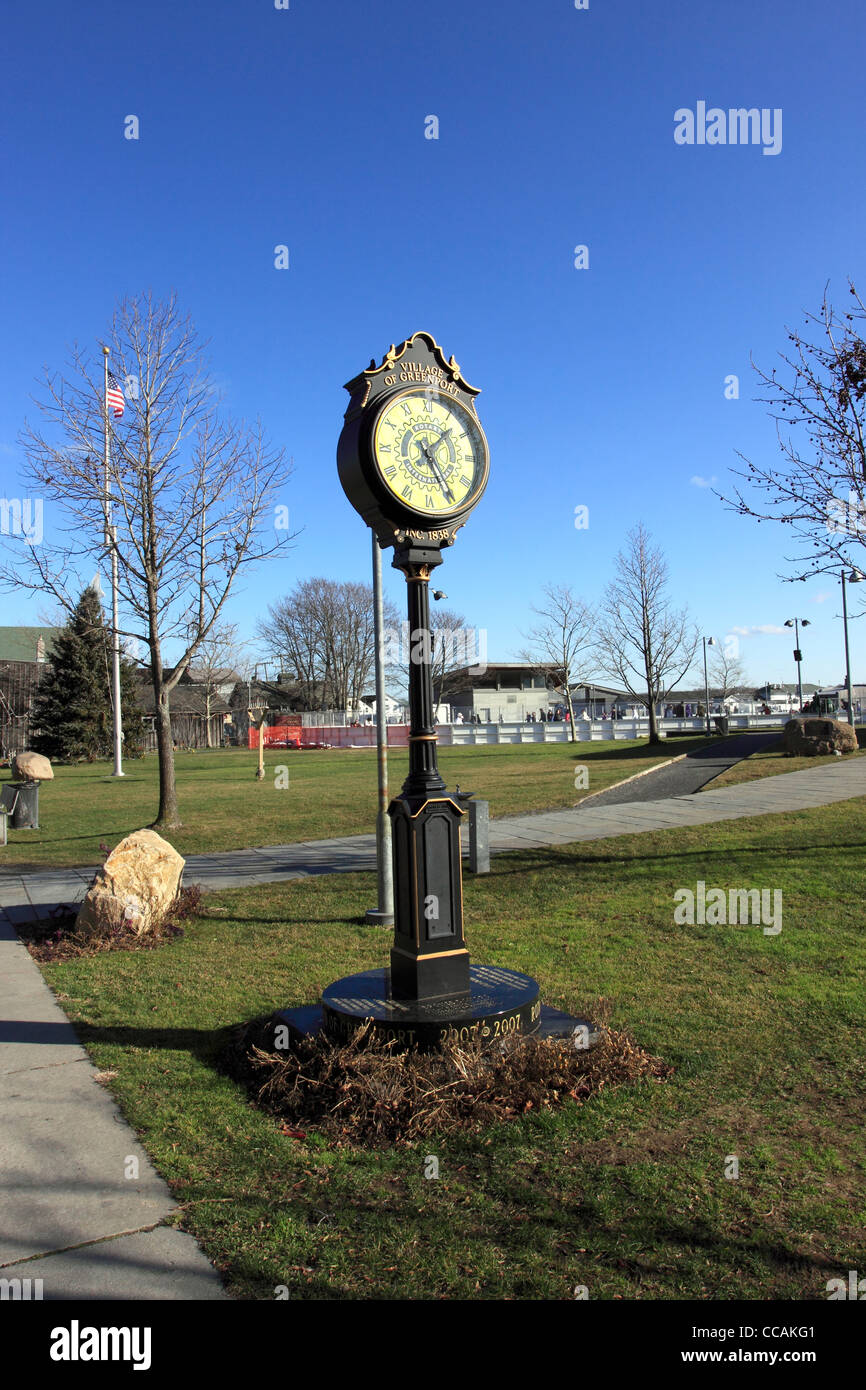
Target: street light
(708, 642)
(855, 577)
(798, 655)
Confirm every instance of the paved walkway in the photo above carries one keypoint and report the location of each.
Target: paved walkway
(23, 895)
(70, 1214)
(82, 1206)
(688, 774)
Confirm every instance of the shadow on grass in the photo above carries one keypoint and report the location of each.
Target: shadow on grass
(560, 1226)
(530, 860)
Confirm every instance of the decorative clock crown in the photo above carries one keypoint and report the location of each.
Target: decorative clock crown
(419, 361)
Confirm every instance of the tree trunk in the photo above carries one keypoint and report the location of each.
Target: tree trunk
(568, 704)
(653, 720)
(168, 816)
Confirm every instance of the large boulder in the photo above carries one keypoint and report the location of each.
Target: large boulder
(32, 767)
(135, 887)
(812, 738)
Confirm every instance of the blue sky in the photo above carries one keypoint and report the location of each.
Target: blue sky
(601, 387)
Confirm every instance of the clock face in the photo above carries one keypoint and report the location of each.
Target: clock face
(430, 452)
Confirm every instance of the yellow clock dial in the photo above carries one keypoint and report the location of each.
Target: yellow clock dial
(430, 452)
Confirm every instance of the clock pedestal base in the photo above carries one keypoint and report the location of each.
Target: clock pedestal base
(501, 1003)
(497, 1003)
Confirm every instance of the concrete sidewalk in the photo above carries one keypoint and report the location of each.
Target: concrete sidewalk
(82, 1206)
(22, 894)
(70, 1214)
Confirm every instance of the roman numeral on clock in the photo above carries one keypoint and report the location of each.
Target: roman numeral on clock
(391, 472)
(407, 493)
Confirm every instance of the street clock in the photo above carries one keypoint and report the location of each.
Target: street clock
(412, 457)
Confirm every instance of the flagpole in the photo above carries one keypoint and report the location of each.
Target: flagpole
(111, 539)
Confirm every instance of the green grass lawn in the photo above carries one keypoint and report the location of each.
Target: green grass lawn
(626, 1194)
(330, 792)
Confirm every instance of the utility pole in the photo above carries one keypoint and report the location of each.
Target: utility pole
(383, 915)
(855, 577)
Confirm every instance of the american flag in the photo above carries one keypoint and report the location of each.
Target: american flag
(114, 396)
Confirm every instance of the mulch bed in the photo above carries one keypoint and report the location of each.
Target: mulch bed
(55, 938)
(365, 1093)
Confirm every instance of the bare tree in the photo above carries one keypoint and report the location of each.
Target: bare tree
(562, 644)
(819, 490)
(191, 492)
(218, 656)
(644, 642)
(727, 672)
(291, 633)
(323, 631)
(451, 640)
(452, 648)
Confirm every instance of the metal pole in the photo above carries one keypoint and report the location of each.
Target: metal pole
(111, 539)
(707, 688)
(383, 915)
(799, 668)
(847, 655)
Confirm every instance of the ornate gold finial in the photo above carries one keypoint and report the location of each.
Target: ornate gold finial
(395, 352)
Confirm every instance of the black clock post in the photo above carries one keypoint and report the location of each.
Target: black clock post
(429, 958)
(413, 461)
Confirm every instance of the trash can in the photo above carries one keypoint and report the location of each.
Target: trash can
(22, 802)
(721, 722)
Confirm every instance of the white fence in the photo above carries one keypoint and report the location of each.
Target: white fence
(461, 735)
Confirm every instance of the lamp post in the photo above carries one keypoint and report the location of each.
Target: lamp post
(798, 655)
(855, 577)
(708, 642)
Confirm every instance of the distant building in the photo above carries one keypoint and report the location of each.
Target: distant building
(833, 701)
(25, 653)
(593, 701)
(506, 689)
(191, 726)
(396, 711)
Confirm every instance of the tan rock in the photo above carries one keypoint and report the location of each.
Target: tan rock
(135, 887)
(818, 737)
(32, 767)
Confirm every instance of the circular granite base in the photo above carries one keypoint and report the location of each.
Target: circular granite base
(499, 1002)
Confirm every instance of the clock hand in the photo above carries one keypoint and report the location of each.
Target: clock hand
(436, 470)
(443, 437)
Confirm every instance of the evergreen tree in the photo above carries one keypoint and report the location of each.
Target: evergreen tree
(72, 713)
(130, 710)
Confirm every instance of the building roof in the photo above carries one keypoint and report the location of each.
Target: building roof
(22, 643)
(195, 675)
(598, 692)
(184, 699)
